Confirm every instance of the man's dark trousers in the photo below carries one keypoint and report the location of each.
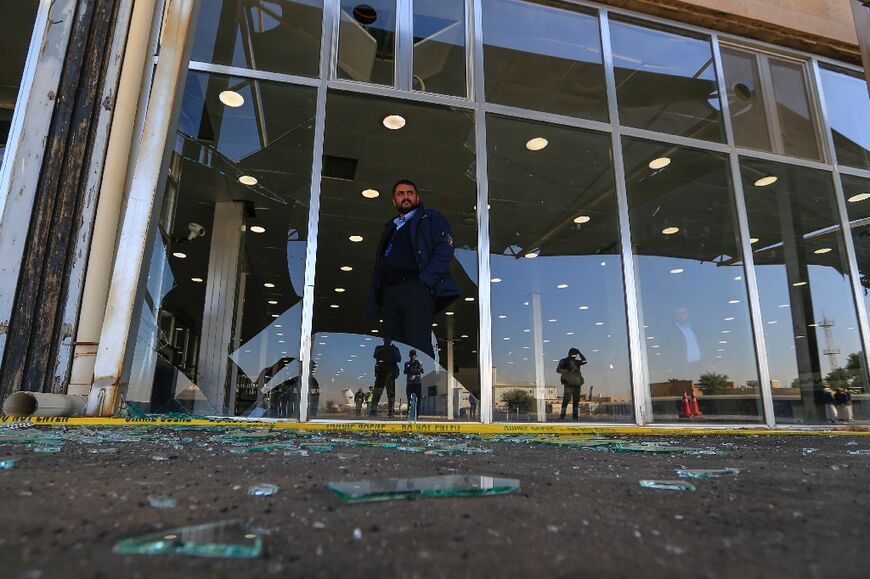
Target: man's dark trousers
(571, 392)
(407, 312)
(384, 381)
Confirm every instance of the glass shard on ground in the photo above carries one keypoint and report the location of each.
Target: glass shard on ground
(229, 539)
(433, 486)
(707, 473)
(667, 485)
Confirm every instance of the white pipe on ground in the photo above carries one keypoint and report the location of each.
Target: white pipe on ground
(24, 403)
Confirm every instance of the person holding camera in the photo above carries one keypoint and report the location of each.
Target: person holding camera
(572, 380)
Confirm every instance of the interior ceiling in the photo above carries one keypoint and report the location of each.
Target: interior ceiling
(16, 27)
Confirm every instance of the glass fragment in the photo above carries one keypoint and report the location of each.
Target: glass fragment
(229, 539)
(161, 502)
(7, 464)
(707, 473)
(263, 490)
(430, 487)
(667, 485)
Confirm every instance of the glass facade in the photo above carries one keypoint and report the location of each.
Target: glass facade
(580, 179)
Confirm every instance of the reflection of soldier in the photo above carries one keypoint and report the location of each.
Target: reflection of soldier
(358, 400)
(411, 280)
(414, 384)
(572, 380)
(387, 358)
(472, 405)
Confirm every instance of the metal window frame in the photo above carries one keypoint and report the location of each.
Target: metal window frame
(475, 102)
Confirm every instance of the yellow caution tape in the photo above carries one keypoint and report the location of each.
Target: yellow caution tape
(448, 427)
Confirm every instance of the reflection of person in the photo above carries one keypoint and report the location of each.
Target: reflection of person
(313, 396)
(843, 401)
(472, 403)
(387, 358)
(830, 400)
(691, 351)
(414, 384)
(358, 400)
(411, 280)
(572, 380)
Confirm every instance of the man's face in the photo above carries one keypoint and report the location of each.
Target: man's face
(681, 315)
(405, 198)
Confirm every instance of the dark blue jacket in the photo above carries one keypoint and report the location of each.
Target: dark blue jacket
(432, 242)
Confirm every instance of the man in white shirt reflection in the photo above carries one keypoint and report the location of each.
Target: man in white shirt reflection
(691, 350)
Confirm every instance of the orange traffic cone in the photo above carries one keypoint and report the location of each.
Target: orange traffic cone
(695, 410)
(685, 409)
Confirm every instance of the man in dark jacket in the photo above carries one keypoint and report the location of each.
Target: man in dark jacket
(411, 280)
(572, 380)
(414, 384)
(387, 358)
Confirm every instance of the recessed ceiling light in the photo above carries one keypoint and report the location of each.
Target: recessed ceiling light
(859, 197)
(179, 255)
(599, 323)
(495, 280)
(196, 279)
(677, 270)
(659, 163)
(822, 250)
(370, 193)
(374, 331)
(733, 301)
(274, 315)
(799, 283)
(231, 98)
(268, 284)
(464, 336)
(738, 277)
(502, 317)
(723, 341)
(772, 322)
(434, 325)
(340, 290)
(782, 306)
(448, 313)
(537, 143)
(469, 299)
(258, 229)
(551, 320)
(356, 238)
(505, 339)
(273, 302)
(532, 255)
(670, 230)
(753, 240)
(394, 122)
(334, 306)
(248, 180)
(277, 325)
(582, 219)
(765, 181)
(729, 318)
(346, 268)
(562, 286)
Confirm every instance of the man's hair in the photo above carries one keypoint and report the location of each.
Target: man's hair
(404, 182)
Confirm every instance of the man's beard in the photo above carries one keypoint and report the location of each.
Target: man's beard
(406, 209)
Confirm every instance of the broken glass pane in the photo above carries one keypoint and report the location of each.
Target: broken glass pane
(861, 452)
(707, 473)
(433, 486)
(6, 464)
(668, 485)
(223, 539)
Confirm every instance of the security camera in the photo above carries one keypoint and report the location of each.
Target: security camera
(196, 230)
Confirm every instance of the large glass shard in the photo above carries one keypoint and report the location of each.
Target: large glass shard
(7, 464)
(263, 490)
(707, 473)
(667, 485)
(433, 486)
(228, 539)
(161, 502)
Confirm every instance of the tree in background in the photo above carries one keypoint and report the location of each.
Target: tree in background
(712, 383)
(518, 400)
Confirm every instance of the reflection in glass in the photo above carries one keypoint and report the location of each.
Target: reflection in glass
(362, 160)
(439, 46)
(811, 329)
(543, 58)
(367, 41)
(218, 324)
(857, 193)
(274, 35)
(665, 81)
(797, 126)
(744, 91)
(556, 272)
(848, 108)
(699, 345)
(16, 28)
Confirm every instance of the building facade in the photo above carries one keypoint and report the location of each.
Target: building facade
(680, 190)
